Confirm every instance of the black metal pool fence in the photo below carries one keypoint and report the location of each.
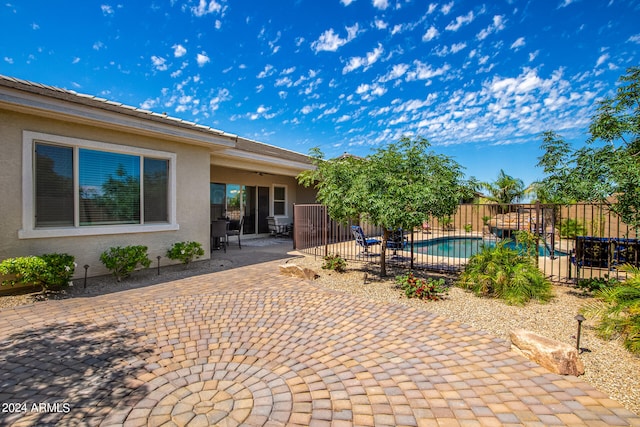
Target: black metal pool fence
(575, 241)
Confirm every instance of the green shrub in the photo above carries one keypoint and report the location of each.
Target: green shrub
(121, 261)
(26, 270)
(617, 310)
(527, 243)
(334, 262)
(570, 228)
(501, 272)
(415, 287)
(468, 228)
(50, 271)
(595, 284)
(60, 270)
(185, 252)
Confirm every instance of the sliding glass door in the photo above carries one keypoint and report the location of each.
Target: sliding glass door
(232, 201)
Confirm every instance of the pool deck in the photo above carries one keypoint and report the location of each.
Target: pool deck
(247, 346)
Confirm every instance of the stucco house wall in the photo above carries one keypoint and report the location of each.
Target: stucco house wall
(197, 155)
(192, 193)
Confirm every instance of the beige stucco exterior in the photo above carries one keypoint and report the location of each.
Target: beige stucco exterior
(197, 153)
(192, 194)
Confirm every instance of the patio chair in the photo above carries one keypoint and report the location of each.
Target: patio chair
(362, 241)
(397, 240)
(275, 229)
(234, 228)
(219, 234)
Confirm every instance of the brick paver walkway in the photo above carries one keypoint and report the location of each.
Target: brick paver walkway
(250, 347)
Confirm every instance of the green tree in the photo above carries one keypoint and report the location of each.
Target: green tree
(607, 165)
(504, 190)
(399, 186)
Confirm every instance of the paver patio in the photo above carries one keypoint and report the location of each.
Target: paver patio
(250, 347)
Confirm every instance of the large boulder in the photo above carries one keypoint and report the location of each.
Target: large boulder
(294, 270)
(556, 356)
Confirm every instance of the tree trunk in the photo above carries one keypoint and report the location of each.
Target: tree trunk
(383, 253)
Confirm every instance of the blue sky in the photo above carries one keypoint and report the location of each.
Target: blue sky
(480, 81)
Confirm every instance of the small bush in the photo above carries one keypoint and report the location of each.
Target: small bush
(185, 252)
(414, 287)
(617, 310)
(501, 272)
(26, 270)
(60, 270)
(334, 262)
(121, 261)
(596, 284)
(50, 271)
(570, 228)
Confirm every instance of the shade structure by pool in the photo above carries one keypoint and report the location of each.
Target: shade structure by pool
(464, 247)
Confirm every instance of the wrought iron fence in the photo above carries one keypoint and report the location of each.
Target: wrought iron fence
(575, 241)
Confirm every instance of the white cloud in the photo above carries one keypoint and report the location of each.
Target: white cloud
(602, 59)
(205, 8)
(460, 21)
(431, 34)
(516, 45)
(268, 71)
(634, 39)
(425, 72)
(346, 2)
(159, 63)
(368, 92)
(330, 41)
(565, 3)
(432, 8)
(178, 50)
(446, 8)
(343, 118)
(380, 24)
(106, 9)
(98, 45)
(8, 60)
(357, 62)
(497, 25)
(397, 71)
(75, 60)
(202, 59)
(381, 4)
(223, 95)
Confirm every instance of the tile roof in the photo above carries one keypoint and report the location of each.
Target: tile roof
(102, 103)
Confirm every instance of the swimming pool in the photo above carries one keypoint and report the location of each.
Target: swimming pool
(464, 247)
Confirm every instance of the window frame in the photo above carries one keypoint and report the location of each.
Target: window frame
(29, 230)
(285, 201)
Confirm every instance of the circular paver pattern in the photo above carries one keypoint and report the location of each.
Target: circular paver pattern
(250, 347)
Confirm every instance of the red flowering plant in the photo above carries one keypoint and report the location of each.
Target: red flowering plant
(415, 287)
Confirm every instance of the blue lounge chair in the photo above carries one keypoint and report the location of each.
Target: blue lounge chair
(361, 240)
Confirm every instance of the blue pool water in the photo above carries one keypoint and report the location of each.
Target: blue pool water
(464, 247)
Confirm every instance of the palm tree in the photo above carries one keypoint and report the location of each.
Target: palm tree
(505, 190)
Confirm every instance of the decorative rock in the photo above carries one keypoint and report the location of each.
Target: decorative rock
(558, 357)
(294, 270)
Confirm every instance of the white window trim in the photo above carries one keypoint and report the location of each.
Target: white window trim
(273, 201)
(29, 231)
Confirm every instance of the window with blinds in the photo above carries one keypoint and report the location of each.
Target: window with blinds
(54, 204)
(113, 188)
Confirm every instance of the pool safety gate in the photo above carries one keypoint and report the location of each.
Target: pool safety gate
(575, 241)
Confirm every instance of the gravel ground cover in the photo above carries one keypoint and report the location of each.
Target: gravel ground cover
(608, 366)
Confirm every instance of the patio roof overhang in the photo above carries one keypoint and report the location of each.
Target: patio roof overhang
(255, 162)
